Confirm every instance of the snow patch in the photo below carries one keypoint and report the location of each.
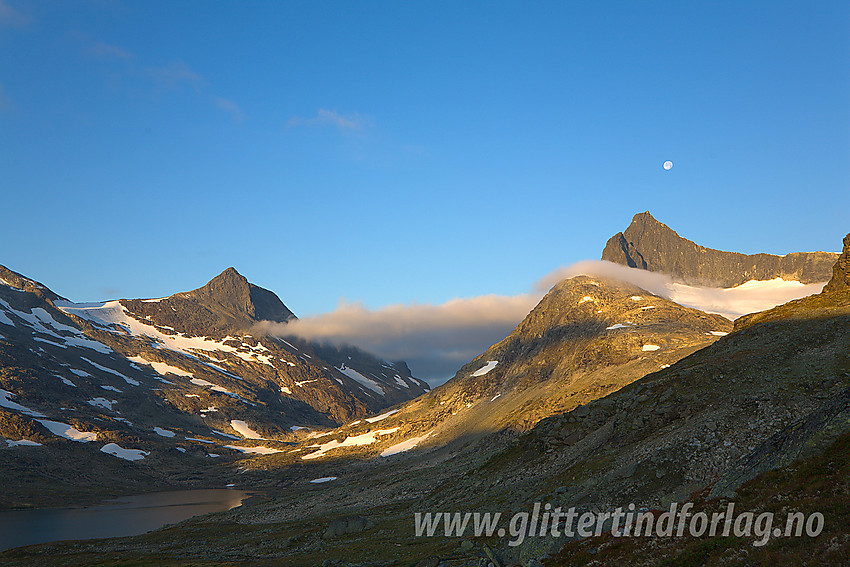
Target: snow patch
(115, 372)
(162, 368)
(354, 375)
(648, 348)
(323, 479)
(68, 432)
(256, 450)
(111, 313)
(242, 429)
(202, 382)
(491, 364)
(102, 403)
(382, 416)
(163, 432)
(126, 454)
(43, 322)
(405, 445)
(357, 440)
(22, 443)
(9, 404)
(401, 382)
(66, 381)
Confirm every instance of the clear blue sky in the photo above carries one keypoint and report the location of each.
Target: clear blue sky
(408, 151)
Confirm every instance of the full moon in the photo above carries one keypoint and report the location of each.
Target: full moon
(668, 164)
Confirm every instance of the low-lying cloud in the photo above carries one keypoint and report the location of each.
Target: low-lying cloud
(730, 302)
(436, 340)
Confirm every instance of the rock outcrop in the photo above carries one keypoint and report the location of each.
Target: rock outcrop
(841, 270)
(651, 245)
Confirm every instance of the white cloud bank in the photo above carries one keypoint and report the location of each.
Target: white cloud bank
(731, 302)
(436, 340)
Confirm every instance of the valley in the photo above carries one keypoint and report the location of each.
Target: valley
(605, 394)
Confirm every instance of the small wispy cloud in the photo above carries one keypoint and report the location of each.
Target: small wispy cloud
(332, 118)
(106, 50)
(9, 17)
(231, 108)
(175, 75)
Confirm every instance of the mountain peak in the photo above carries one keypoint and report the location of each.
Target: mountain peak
(230, 273)
(231, 293)
(227, 303)
(644, 217)
(649, 244)
(225, 287)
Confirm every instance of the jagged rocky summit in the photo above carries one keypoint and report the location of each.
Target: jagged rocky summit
(651, 245)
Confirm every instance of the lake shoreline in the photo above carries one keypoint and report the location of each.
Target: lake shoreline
(115, 517)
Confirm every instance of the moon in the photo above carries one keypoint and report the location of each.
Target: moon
(668, 165)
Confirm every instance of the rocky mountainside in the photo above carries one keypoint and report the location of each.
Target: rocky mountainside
(586, 338)
(650, 245)
(841, 271)
(228, 304)
(175, 388)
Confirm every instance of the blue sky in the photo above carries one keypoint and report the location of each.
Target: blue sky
(408, 152)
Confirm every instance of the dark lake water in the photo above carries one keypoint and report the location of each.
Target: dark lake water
(130, 515)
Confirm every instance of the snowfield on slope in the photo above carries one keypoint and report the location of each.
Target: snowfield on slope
(242, 429)
(405, 445)
(356, 376)
(491, 364)
(127, 454)
(358, 440)
(64, 430)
